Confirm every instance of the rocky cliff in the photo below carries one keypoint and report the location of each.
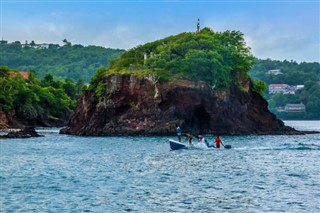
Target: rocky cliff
(12, 119)
(137, 106)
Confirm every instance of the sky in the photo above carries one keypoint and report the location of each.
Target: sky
(275, 29)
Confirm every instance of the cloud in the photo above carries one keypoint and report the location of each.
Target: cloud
(281, 42)
(120, 36)
(275, 40)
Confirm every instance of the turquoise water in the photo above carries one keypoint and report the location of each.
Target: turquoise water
(61, 173)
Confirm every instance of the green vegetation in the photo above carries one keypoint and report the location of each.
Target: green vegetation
(68, 61)
(307, 74)
(32, 99)
(293, 73)
(259, 86)
(214, 57)
(209, 56)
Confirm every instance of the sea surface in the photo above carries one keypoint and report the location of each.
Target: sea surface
(62, 173)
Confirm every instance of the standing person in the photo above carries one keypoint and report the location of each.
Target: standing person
(178, 129)
(201, 139)
(189, 137)
(218, 142)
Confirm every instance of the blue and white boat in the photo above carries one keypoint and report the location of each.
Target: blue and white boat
(174, 145)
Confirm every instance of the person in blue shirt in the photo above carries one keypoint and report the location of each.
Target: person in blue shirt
(178, 129)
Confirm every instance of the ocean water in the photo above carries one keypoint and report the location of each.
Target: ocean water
(61, 173)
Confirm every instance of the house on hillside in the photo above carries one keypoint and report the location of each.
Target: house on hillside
(274, 72)
(289, 90)
(36, 46)
(42, 46)
(277, 88)
(25, 75)
(284, 88)
(295, 107)
(299, 87)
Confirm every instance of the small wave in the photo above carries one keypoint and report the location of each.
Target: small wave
(299, 146)
(200, 146)
(302, 146)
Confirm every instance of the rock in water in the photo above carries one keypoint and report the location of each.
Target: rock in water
(130, 106)
(27, 132)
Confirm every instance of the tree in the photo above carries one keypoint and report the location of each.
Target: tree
(32, 44)
(47, 80)
(69, 88)
(33, 79)
(66, 42)
(79, 84)
(4, 71)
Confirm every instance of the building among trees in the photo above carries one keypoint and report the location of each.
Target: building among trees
(295, 107)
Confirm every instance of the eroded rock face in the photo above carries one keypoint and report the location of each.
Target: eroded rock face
(137, 106)
(12, 119)
(3, 120)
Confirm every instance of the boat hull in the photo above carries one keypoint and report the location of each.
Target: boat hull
(174, 145)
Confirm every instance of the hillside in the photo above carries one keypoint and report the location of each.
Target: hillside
(196, 80)
(68, 61)
(209, 56)
(27, 101)
(290, 73)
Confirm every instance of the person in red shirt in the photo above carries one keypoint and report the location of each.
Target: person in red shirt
(218, 142)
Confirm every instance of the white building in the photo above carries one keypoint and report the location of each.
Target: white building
(37, 46)
(277, 88)
(274, 72)
(295, 107)
(284, 88)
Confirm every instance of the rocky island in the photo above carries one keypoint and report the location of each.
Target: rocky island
(196, 80)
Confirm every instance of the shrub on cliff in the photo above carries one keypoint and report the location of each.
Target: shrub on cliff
(210, 56)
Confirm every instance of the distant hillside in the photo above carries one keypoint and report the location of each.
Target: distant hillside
(68, 61)
(292, 74)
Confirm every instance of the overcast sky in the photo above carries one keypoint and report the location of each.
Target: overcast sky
(276, 29)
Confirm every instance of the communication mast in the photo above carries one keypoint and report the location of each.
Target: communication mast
(198, 26)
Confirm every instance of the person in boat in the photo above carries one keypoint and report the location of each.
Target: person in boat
(201, 139)
(218, 142)
(178, 129)
(189, 137)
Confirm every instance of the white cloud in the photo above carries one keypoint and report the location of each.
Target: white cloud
(278, 40)
(121, 36)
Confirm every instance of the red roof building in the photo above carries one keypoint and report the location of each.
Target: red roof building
(277, 88)
(25, 75)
